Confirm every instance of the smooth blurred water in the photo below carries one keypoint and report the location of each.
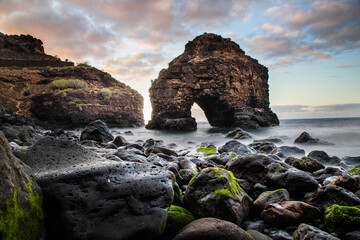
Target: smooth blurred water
(343, 132)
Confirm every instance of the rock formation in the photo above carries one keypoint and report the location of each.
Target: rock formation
(229, 86)
(31, 91)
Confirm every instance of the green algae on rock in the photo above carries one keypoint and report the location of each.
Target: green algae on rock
(178, 217)
(355, 170)
(342, 218)
(207, 151)
(305, 164)
(19, 223)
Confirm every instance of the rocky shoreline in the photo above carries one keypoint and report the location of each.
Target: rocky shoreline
(97, 185)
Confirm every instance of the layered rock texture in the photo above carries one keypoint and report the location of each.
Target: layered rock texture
(66, 96)
(229, 86)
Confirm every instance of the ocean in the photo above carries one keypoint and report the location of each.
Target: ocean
(343, 132)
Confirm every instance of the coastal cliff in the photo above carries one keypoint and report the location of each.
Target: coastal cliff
(57, 94)
(231, 87)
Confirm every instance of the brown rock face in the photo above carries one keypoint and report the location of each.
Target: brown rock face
(215, 73)
(27, 92)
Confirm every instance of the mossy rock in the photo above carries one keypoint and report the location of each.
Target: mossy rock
(305, 164)
(19, 223)
(178, 217)
(342, 218)
(207, 151)
(355, 170)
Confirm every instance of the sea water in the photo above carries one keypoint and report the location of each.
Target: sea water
(343, 132)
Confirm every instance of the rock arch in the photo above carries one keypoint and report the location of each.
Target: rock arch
(215, 73)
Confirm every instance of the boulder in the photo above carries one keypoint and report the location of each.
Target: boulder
(324, 173)
(223, 198)
(21, 199)
(162, 150)
(288, 151)
(289, 213)
(328, 195)
(308, 232)
(342, 218)
(237, 147)
(177, 218)
(256, 235)
(130, 155)
(88, 197)
(216, 74)
(96, 131)
(324, 158)
(119, 141)
(305, 163)
(238, 134)
(263, 147)
(212, 229)
(305, 138)
(25, 135)
(355, 235)
(269, 197)
(297, 182)
(348, 181)
(350, 162)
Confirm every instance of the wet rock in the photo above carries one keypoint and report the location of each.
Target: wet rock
(348, 181)
(328, 195)
(211, 72)
(324, 158)
(250, 167)
(288, 151)
(131, 156)
(258, 225)
(238, 134)
(119, 141)
(129, 133)
(24, 135)
(97, 131)
(289, 213)
(355, 235)
(297, 182)
(21, 214)
(322, 174)
(355, 170)
(308, 232)
(342, 218)
(187, 175)
(280, 235)
(163, 150)
(187, 164)
(270, 139)
(237, 147)
(88, 197)
(258, 235)
(263, 147)
(111, 146)
(223, 198)
(177, 218)
(305, 138)
(258, 189)
(90, 143)
(212, 229)
(350, 162)
(152, 143)
(269, 197)
(158, 161)
(305, 163)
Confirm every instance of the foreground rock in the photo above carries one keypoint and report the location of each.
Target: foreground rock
(342, 218)
(216, 74)
(308, 232)
(289, 213)
(223, 198)
(96, 131)
(88, 197)
(21, 215)
(212, 229)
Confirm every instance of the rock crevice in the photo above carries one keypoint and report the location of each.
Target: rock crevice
(213, 72)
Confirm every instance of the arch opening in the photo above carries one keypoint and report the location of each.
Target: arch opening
(217, 112)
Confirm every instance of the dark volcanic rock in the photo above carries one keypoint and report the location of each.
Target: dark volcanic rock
(237, 147)
(21, 215)
(288, 151)
(216, 74)
(223, 198)
(88, 197)
(305, 138)
(308, 232)
(305, 164)
(324, 173)
(324, 158)
(212, 229)
(97, 131)
(263, 147)
(329, 195)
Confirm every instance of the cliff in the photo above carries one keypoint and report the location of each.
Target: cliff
(64, 96)
(230, 87)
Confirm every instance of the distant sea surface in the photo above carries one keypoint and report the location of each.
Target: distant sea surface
(343, 132)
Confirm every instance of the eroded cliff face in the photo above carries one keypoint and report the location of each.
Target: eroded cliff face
(230, 87)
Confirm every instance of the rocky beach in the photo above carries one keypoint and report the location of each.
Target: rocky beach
(77, 163)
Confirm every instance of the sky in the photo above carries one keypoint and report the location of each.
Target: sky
(312, 48)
